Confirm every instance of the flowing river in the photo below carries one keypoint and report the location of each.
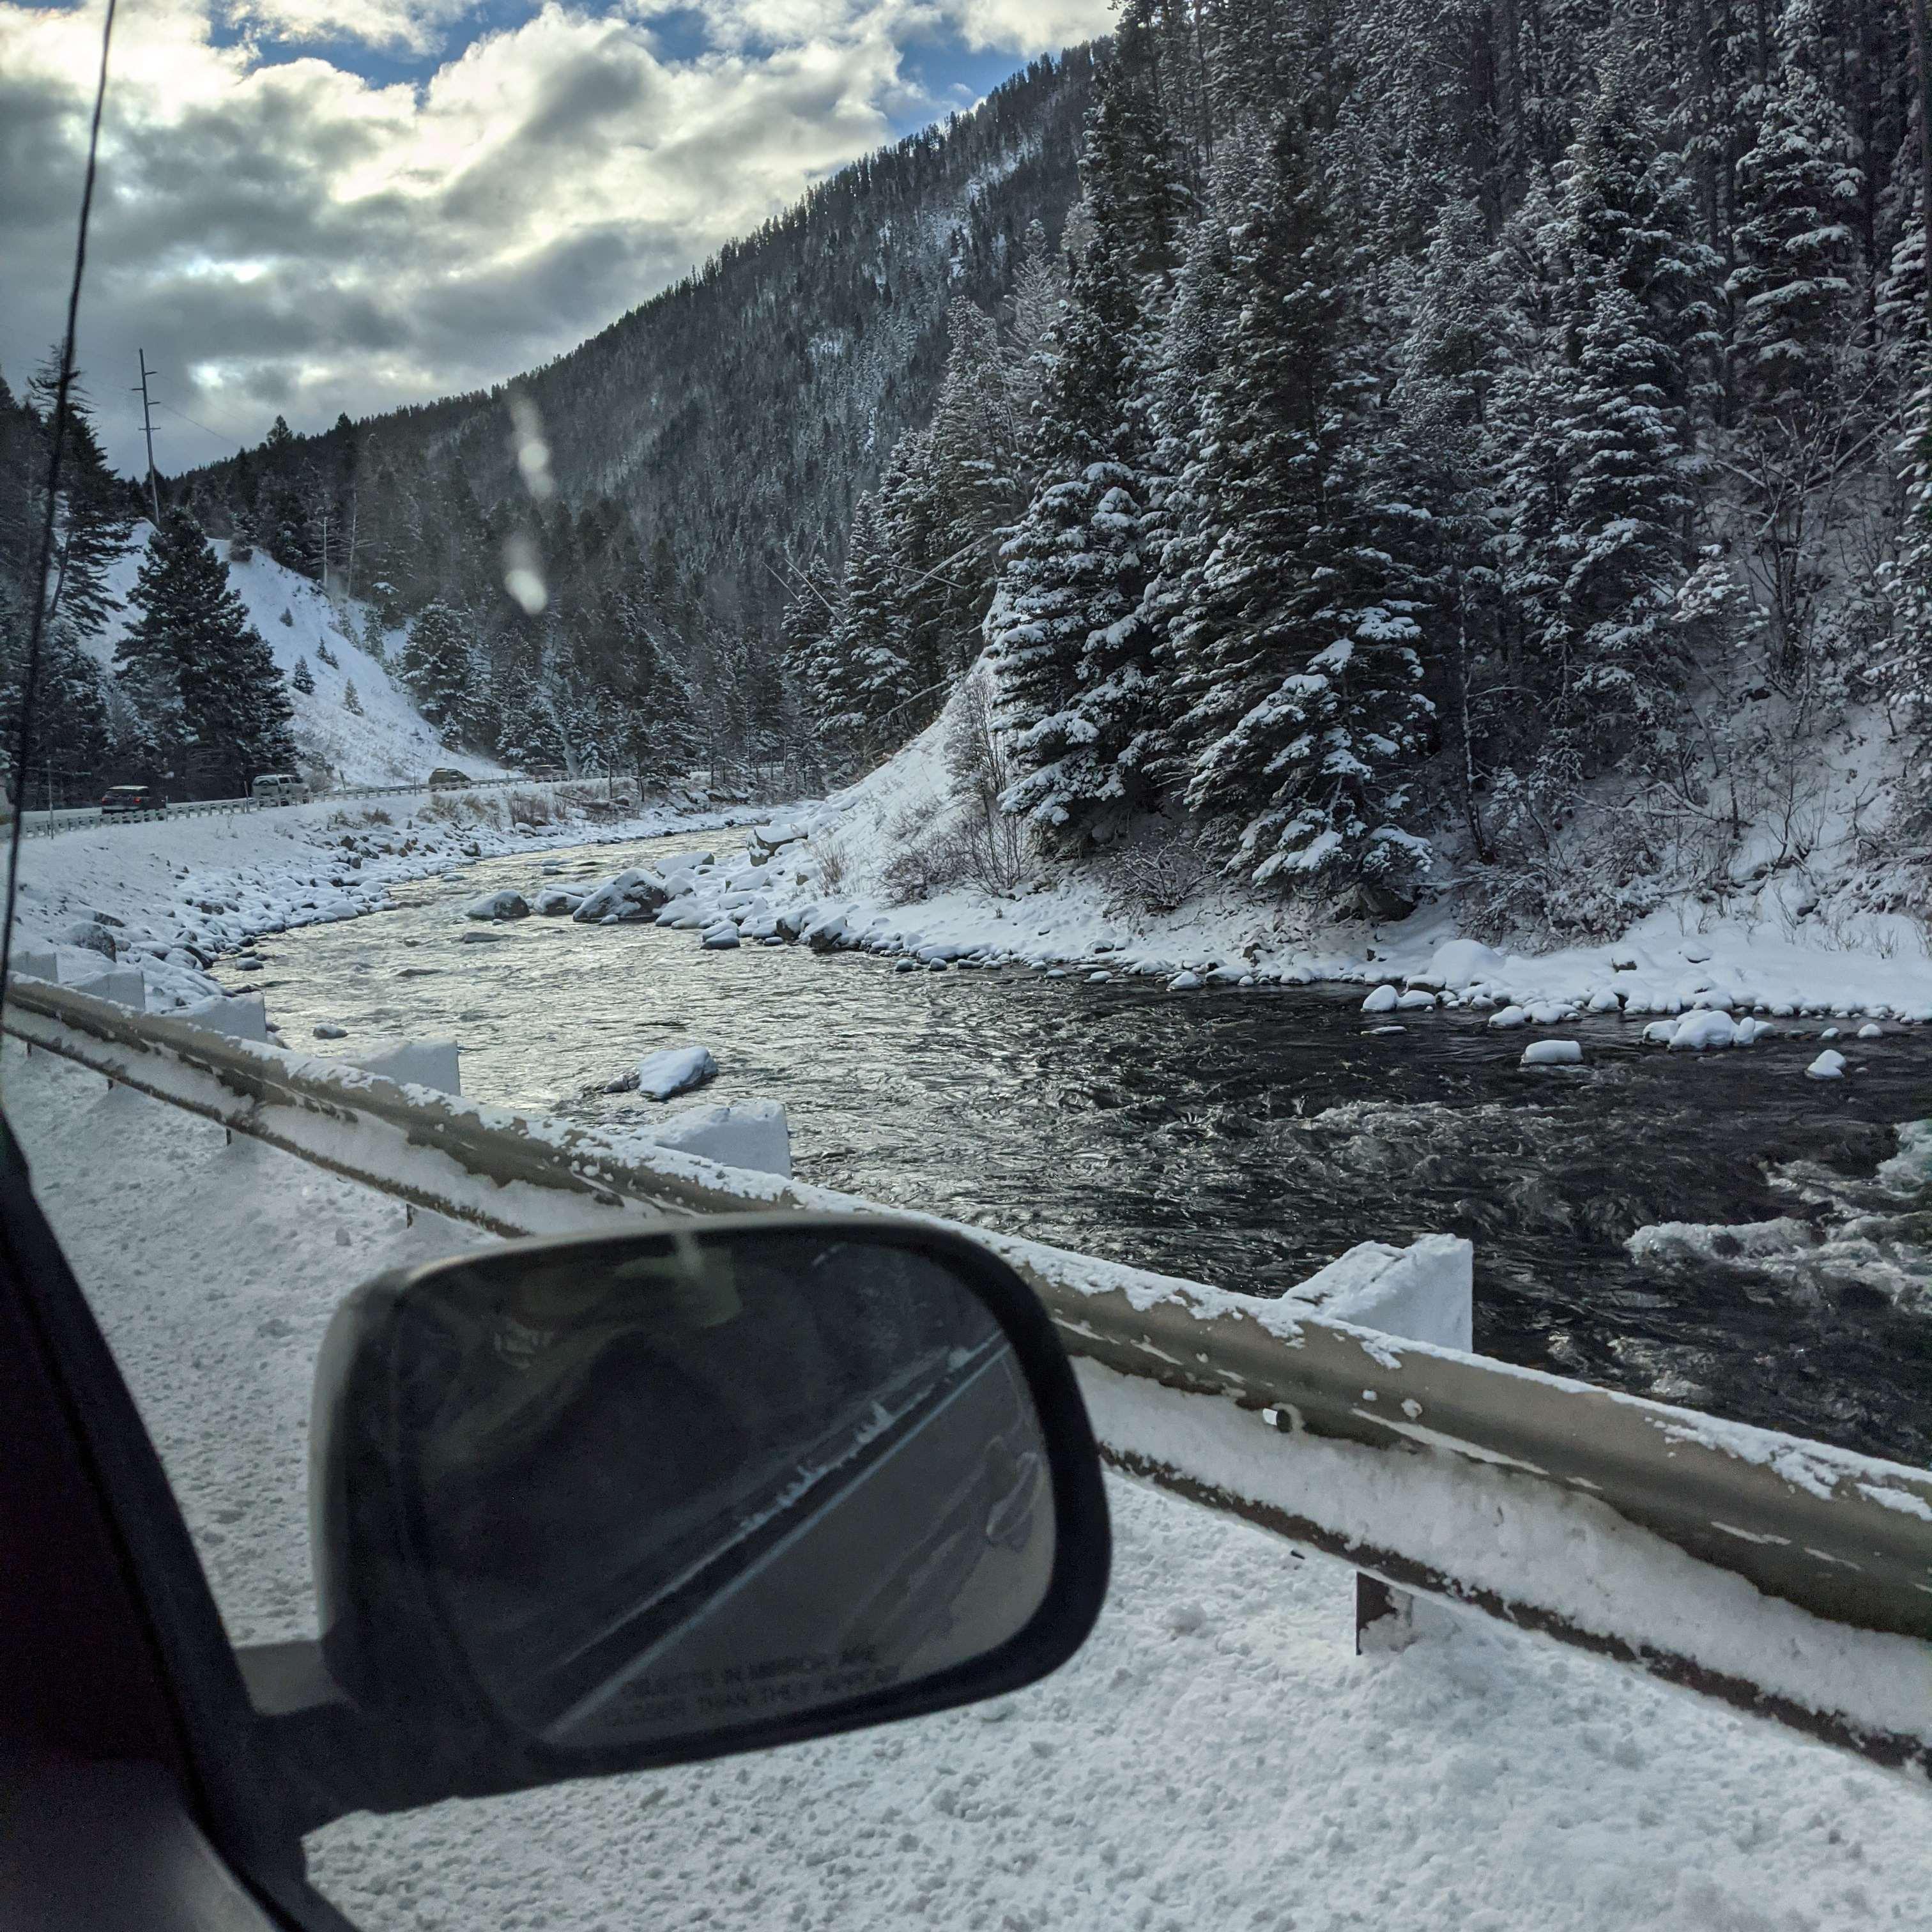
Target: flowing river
(1238, 1137)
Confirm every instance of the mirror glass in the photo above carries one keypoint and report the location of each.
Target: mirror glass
(664, 1486)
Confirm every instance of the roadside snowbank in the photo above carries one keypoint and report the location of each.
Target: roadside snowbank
(1216, 1756)
(831, 861)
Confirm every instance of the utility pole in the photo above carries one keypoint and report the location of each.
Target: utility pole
(148, 430)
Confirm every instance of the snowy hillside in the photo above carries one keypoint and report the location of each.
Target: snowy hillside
(390, 743)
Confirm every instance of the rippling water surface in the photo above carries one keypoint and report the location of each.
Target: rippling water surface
(1238, 1137)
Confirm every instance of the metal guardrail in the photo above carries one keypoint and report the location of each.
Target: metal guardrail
(48, 824)
(1787, 1577)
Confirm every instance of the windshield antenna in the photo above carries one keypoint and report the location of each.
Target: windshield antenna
(23, 737)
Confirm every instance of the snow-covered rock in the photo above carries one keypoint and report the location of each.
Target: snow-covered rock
(1461, 963)
(1553, 1053)
(500, 905)
(1383, 1000)
(1509, 1016)
(763, 841)
(738, 1133)
(1871, 1030)
(413, 1063)
(672, 1070)
(1702, 1030)
(1828, 1066)
(634, 895)
(1414, 1001)
(553, 901)
(722, 937)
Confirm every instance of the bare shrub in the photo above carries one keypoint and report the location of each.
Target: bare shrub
(835, 865)
(530, 808)
(987, 840)
(1161, 873)
(948, 857)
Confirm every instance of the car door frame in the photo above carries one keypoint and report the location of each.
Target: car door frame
(140, 1787)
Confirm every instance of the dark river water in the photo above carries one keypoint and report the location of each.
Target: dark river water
(1238, 1137)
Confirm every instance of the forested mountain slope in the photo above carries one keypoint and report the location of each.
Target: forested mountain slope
(1481, 445)
(617, 535)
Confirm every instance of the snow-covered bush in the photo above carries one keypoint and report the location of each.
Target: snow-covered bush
(1161, 872)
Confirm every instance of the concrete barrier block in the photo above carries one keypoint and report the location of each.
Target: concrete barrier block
(1424, 1292)
(239, 1016)
(415, 1062)
(123, 985)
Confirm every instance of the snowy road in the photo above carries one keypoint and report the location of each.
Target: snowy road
(1216, 1758)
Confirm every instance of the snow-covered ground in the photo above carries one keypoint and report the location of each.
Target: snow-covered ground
(1773, 951)
(390, 743)
(180, 891)
(1216, 1757)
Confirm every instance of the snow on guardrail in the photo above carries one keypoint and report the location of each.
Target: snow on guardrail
(1787, 1577)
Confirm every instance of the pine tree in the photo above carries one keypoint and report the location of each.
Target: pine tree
(1310, 718)
(1791, 290)
(325, 656)
(438, 666)
(1622, 533)
(199, 673)
(352, 701)
(70, 738)
(1073, 652)
(302, 678)
(873, 677)
(93, 525)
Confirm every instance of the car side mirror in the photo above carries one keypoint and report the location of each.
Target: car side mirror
(593, 1504)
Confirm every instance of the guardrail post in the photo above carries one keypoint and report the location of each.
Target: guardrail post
(1384, 1616)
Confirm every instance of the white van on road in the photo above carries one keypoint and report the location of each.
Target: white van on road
(280, 788)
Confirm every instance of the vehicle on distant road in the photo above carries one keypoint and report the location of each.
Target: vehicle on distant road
(280, 788)
(446, 776)
(547, 774)
(118, 800)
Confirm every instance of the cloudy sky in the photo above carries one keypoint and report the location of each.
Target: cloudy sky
(312, 206)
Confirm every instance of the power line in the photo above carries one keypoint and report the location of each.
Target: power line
(237, 437)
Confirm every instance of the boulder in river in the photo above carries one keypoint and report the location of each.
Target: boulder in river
(673, 1070)
(505, 904)
(1553, 1053)
(722, 937)
(553, 901)
(634, 895)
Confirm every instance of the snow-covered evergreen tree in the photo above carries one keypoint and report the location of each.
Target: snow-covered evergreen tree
(1798, 189)
(197, 671)
(439, 668)
(302, 678)
(94, 523)
(1073, 652)
(1310, 718)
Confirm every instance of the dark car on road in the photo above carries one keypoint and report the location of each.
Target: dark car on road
(118, 799)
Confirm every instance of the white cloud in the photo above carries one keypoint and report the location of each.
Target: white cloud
(289, 235)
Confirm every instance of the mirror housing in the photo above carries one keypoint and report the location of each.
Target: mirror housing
(599, 1504)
